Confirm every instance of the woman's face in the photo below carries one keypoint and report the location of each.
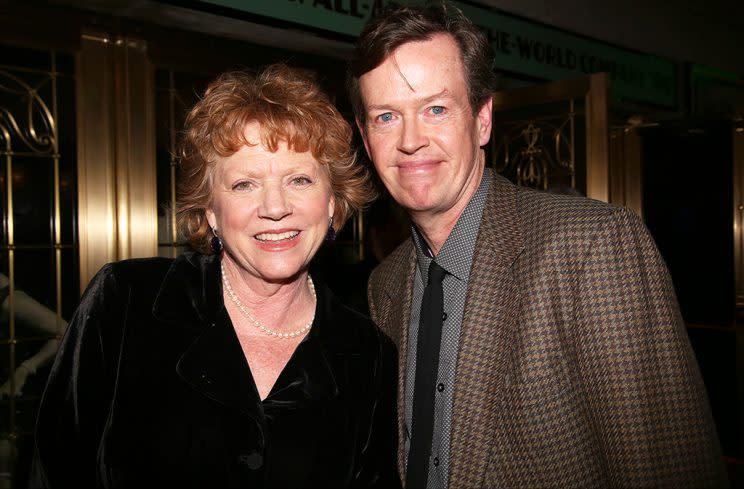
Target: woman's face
(271, 210)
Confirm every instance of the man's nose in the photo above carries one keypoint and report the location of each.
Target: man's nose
(413, 137)
(275, 203)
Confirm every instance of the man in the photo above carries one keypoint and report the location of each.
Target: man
(562, 359)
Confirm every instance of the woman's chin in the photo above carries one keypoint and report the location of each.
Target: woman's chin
(281, 276)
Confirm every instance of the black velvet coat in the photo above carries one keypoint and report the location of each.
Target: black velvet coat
(151, 388)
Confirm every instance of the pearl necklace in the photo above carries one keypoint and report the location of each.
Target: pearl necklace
(255, 321)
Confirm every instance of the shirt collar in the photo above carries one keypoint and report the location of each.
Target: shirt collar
(456, 255)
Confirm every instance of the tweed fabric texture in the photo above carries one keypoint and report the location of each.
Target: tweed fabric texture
(574, 367)
(455, 256)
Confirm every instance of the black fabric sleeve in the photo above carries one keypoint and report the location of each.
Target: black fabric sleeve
(378, 462)
(74, 408)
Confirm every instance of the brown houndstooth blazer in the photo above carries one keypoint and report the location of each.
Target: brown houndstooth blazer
(574, 368)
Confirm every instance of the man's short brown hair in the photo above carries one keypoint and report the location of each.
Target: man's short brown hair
(397, 25)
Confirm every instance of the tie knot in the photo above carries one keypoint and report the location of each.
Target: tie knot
(436, 273)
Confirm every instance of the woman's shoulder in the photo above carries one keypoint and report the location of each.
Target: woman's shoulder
(115, 281)
(139, 269)
(153, 270)
(131, 273)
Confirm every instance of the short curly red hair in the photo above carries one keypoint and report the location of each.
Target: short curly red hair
(289, 106)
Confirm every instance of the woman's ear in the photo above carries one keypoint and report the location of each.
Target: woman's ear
(331, 206)
(211, 218)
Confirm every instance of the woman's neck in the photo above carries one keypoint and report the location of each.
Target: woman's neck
(282, 306)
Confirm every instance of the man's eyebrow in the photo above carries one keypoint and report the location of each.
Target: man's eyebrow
(378, 107)
(444, 94)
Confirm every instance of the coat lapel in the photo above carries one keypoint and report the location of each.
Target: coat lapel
(215, 366)
(190, 299)
(489, 321)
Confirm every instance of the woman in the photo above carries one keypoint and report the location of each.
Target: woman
(231, 367)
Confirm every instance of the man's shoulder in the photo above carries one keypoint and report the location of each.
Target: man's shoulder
(535, 218)
(546, 213)
(549, 204)
(507, 202)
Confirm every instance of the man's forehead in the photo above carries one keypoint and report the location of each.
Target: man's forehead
(417, 70)
(440, 48)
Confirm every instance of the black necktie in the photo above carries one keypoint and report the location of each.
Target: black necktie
(427, 367)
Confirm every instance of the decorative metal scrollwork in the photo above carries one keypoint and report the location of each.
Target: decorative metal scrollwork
(534, 152)
(25, 117)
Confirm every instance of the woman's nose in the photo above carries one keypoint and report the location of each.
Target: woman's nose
(276, 204)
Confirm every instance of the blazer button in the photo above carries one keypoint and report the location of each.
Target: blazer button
(436, 461)
(444, 316)
(440, 387)
(252, 460)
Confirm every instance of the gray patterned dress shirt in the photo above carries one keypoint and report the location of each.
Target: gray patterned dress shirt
(456, 257)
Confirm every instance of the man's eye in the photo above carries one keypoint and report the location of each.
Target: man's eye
(386, 117)
(437, 110)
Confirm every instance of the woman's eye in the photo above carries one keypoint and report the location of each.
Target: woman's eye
(242, 186)
(437, 110)
(301, 181)
(386, 117)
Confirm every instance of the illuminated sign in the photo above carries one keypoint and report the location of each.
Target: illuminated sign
(520, 46)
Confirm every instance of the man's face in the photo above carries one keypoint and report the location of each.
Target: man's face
(420, 130)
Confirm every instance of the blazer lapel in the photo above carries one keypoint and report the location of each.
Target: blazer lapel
(489, 319)
(399, 293)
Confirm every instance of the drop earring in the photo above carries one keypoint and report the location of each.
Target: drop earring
(331, 233)
(215, 243)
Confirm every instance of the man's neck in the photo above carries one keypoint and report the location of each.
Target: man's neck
(435, 227)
